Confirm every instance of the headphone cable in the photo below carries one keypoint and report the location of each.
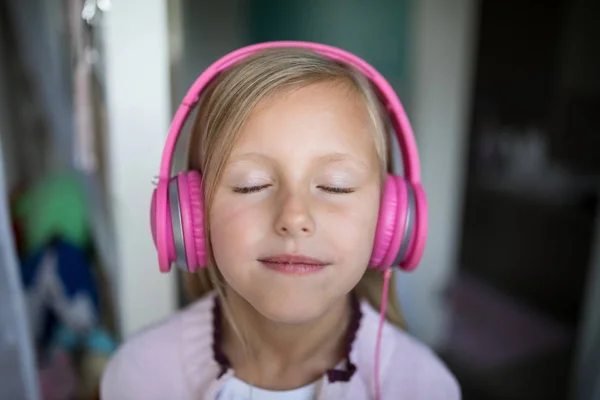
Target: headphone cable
(384, 299)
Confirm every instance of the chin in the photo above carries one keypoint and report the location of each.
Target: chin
(291, 308)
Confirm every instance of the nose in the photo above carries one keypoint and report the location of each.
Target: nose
(294, 218)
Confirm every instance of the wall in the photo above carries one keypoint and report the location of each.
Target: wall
(209, 30)
(442, 45)
(378, 31)
(138, 96)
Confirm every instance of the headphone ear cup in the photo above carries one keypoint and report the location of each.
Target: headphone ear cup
(191, 206)
(153, 227)
(162, 237)
(418, 239)
(390, 223)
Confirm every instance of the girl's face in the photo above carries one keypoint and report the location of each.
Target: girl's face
(303, 180)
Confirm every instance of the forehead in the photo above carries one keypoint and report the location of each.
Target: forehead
(315, 119)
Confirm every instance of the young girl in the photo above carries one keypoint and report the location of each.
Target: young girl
(293, 205)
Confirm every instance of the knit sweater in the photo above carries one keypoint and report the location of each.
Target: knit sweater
(181, 358)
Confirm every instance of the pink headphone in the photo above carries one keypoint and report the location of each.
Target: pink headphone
(177, 209)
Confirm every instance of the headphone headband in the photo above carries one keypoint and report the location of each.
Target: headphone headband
(392, 104)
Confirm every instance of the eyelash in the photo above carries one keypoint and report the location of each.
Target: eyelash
(329, 189)
(336, 190)
(250, 189)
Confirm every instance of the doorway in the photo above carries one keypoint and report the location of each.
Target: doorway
(531, 196)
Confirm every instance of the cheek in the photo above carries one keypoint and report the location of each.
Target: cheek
(352, 231)
(235, 231)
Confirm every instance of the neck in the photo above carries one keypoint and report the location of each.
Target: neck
(272, 348)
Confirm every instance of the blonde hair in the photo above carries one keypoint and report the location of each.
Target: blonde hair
(226, 105)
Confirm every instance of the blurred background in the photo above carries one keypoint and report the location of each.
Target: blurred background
(504, 98)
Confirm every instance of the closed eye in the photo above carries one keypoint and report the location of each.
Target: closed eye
(250, 189)
(336, 190)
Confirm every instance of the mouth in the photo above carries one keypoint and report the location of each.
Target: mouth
(294, 264)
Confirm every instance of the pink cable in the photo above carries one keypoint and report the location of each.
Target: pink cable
(384, 299)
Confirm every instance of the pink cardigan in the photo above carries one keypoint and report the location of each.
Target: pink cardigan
(177, 359)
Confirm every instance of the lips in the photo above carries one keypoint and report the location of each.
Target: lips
(294, 264)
